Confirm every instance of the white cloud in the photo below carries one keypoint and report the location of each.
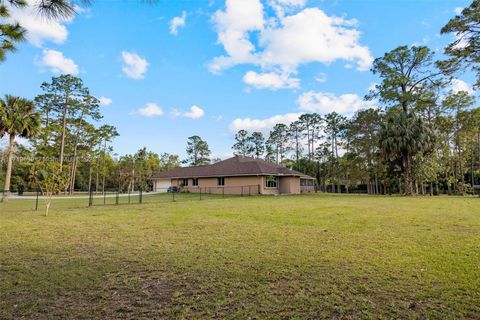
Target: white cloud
(177, 22)
(233, 25)
(104, 101)
(458, 85)
(285, 41)
(313, 36)
(134, 66)
(150, 110)
(38, 28)
(285, 6)
(321, 77)
(195, 113)
(324, 102)
(458, 10)
(262, 125)
(56, 62)
(270, 80)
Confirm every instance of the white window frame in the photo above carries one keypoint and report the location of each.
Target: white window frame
(221, 179)
(266, 180)
(183, 182)
(195, 182)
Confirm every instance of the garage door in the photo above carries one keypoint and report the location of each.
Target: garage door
(162, 185)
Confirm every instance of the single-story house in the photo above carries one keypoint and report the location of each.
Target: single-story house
(236, 175)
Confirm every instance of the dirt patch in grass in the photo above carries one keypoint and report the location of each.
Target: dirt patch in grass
(140, 295)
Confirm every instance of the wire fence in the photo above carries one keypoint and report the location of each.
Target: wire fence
(34, 199)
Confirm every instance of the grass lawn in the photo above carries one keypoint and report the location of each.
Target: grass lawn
(288, 257)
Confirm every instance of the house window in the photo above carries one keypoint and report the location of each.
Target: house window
(185, 182)
(195, 182)
(271, 182)
(221, 181)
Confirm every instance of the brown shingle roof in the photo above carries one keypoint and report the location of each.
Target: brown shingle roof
(236, 166)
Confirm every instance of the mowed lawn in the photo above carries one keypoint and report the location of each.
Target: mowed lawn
(287, 257)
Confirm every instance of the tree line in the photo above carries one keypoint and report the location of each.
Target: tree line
(421, 137)
(67, 142)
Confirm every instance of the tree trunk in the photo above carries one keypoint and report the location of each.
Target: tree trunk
(133, 180)
(297, 148)
(47, 206)
(478, 149)
(73, 171)
(460, 163)
(308, 143)
(8, 175)
(103, 183)
(73, 176)
(97, 178)
(90, 169)
(337, 166)
(313, 141)
(407, 168)
(64, 129)
(459, 150)
(472, 163)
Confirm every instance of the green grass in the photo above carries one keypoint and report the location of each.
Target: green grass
(288, 257)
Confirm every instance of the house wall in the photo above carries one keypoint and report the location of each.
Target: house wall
(241, 185)
(289, 185)
(233, 185)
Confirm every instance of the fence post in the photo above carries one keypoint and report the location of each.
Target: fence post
(36, 201)
(249, 191)
(116, 198)
(258, 188)
(242, 191)
(140, 197)
(200, 193)
(104, 198)
(128, 195)
(223, 192)
(173, 196)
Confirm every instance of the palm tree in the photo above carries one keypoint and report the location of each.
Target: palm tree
(404, 136)
(18, 117)
(13, 33)
(51, 9)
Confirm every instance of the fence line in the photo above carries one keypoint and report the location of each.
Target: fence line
(88, 198)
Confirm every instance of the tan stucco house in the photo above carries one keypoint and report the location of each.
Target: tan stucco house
(236, 175)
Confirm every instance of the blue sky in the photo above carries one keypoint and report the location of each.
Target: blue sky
(180, 68)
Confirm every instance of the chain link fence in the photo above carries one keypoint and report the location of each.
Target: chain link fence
(34, 199)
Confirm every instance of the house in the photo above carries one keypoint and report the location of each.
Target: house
(236, 175)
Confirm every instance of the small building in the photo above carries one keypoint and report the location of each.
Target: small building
(236, 175)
